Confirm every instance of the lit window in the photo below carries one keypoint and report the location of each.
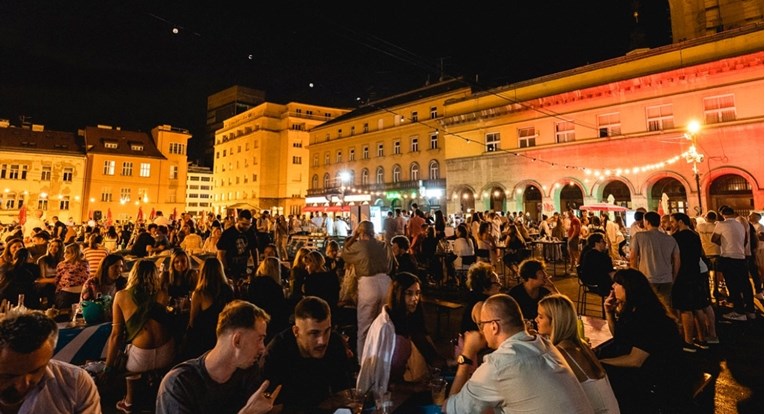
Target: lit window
(659, 117)
(564, 132)
(492, 142)
(145, 169)
(527, 137)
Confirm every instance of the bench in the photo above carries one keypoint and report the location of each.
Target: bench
(443, 307)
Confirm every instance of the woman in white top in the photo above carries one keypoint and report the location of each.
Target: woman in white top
(463, 246)
(556, 318)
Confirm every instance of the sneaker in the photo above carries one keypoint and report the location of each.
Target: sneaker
(688, 347)
(712, 340)
(700, 344)
(734, 316)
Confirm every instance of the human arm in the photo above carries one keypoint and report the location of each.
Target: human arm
(115, 337)
(634, 252)
(675, 262)
(473, 342)
(261, 401)
(634, 359)
(87, 399)
(610, 305)
(717, 238)
(196, 307)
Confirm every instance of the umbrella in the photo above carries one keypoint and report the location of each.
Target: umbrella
(140, 214)
(109, 216)
(23, 214)
(602, 207)
(152, 214)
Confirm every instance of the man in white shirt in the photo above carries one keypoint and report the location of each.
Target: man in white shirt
(711, 250)
(30, 380)
(525, 373)
(731, 236)
(341, 227)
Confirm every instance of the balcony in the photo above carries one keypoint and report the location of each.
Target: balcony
(401, 185)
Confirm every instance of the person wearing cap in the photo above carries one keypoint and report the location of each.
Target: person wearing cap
(370, 258)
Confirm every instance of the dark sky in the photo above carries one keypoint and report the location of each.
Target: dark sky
(73, 63)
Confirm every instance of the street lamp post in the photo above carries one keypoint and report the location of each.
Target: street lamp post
(693, 156)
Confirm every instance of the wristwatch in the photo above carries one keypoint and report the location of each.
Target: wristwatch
(463, 360)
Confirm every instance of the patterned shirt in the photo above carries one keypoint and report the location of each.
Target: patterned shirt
(69, 275)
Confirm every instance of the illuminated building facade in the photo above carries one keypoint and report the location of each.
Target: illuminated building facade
(199, 190)
(261, 157)
(42, 170)
(618, 130)
(387, 153)
(129, 170)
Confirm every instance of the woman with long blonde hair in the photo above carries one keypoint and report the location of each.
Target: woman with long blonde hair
(557, 319)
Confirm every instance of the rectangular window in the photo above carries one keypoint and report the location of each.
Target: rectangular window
(3, 171)
(414, 145)
(315, 160)
(24, 170)
(415, 117)
(351, 154)
(110, 145)
(366, 127)
(434, 140)
(365, 152)
(719, 109)
(14, 174)
(433, 112)
(339, 133)
(125, 194)
(326, 158)
(609, 125)
(145, 169)
(353, 130)
(136, 147)
(68, 174)
(564, 132)
(297, 160)
(527, 137)
(492, 142)
(127, 168)
(63, 204)
(339, 157)
(397, 147)
(42, 204)
(45, 175)
(10, 200)
(380, 152)
(173, 172)
(254, 177)
(177, 148)
(142, 195)
(659, 117)
(109, 167)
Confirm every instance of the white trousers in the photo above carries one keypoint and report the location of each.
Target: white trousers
(372, 293)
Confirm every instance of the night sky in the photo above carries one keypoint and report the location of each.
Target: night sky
(68, 64)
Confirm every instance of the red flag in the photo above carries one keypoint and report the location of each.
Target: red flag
(109, 216)
(140, 214)
(152, 214)
(90, 214)
(23, 214)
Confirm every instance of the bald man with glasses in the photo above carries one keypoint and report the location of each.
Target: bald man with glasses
(525, 373)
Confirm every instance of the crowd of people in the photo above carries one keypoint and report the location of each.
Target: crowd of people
(233, 323)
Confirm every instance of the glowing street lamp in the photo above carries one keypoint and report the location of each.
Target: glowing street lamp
(693, 156)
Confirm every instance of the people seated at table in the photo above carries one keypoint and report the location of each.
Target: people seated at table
(143, 240)
(192, 242)
(140, 318)
(30, 380)
(309, 360)
(211, 242)
(486, 249)
(334, 262)
(211, 294)
(46, 283)
(107, 280)
(227, 378)
(398, 350)
(18, 278)
(71, 274)
(266, 292)
(180, 279)
(557, 320)
(93, 252)
(298, 275)
(482, 282)
(595, 267)
(11, 246)
(404, 260)
(515, 250)
(525, 373)
(463, 248)
(644, 358)
(321, 282)
(536, 285)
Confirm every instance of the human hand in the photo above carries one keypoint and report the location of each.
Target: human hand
(610, 303)
(473, 342)
(261, 400)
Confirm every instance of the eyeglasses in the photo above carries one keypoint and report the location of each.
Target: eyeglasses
(481, 323)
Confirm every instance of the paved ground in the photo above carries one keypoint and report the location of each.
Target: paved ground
(736, 364)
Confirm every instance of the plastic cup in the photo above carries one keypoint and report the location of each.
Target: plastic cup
(383, 403)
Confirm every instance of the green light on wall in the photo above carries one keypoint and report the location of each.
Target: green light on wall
(392, 195)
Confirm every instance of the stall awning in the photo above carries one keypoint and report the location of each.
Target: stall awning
(325, 209)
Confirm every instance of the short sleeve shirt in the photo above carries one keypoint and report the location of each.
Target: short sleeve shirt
(238, 246)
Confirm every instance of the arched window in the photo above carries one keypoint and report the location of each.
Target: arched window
(380, 175)
(414, 172)
(315, 181)
(364, 176)
(396, 173)
(326, 180)
(433, 167)
(351, 178)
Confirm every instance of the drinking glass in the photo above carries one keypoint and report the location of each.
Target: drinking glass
(383, 403)
(438, 390)
(354, 399)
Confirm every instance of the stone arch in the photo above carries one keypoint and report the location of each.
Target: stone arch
(597, 189)
(458, 197)
(652, 202)
(494, 196)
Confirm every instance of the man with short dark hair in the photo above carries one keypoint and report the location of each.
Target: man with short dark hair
(59, 228)
(731, 236)
(525, 373)
(143, 241)
(226, 379)
(309, 360)
(30, 380)
(237, 245)
(657, 256)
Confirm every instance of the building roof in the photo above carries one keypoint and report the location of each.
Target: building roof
(47, 142)
(400, 99)
(101, 140)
